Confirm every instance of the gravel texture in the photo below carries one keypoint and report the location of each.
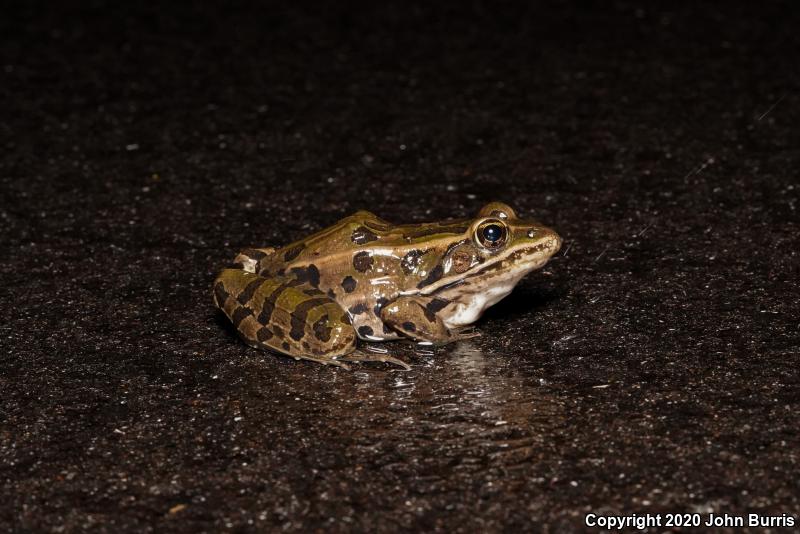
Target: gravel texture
(651, 366)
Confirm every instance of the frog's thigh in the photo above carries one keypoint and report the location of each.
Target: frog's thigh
(284, 315)
(417, 318)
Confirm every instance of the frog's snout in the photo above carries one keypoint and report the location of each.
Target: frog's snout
(556, 242)
(546, 239)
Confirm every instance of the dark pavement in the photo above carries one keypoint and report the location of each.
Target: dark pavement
(651, 367)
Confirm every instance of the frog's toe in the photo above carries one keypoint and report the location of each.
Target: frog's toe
(325, 361)
(361, 356)
(469, 332)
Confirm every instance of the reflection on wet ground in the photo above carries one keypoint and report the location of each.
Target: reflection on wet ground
(481, 411)
(460, 421)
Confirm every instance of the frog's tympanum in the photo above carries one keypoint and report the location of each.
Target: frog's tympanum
(366, 278)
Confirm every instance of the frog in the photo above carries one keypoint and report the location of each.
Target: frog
(366, 279)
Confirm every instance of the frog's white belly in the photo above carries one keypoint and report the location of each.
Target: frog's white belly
(469, 308)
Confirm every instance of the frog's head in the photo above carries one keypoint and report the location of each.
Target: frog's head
(496, 251)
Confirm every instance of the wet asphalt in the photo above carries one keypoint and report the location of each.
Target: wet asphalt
(652, 366)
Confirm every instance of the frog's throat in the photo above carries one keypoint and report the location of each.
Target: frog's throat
(470, 300)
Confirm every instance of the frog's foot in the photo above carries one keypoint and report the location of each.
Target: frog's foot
(336, 362)
(361, 356)
(417, 317)
(468, 332)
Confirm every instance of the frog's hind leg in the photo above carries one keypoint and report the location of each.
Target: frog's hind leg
(286, 315)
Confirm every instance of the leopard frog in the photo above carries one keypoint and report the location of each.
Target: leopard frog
(366, 278)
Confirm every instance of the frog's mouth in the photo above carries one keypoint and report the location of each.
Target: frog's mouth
(505, 271)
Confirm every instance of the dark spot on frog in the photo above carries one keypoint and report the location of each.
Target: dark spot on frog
(408, 326)
(362, 261)
(434, 276)
(300, 314)
(308, 274)
(313, 292)
(331, 294)
(240, 314)
(365, 331)
(277, 330)
(264, 334)
(410, 261)
(268, 306)
(345, 319)
(381, 302)
(266, 312)
(220, 294)
(433, 307)
(358, 309)
(322, 329)
(349, 284)
(293, 252)
(250, 290)
(296, 334)
(363, 235)
(285, 345)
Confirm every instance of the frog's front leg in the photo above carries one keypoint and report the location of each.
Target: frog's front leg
(418, 318)
(285, 314)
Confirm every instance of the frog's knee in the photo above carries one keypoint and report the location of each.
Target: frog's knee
(330, 334)
(415, 320)
(250, 259)
(342, 338)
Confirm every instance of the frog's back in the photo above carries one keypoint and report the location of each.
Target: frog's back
(366, 231)
(362, 262)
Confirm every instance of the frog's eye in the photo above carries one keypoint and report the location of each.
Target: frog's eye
(492, 234)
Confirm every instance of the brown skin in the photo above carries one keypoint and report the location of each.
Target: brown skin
(364, 277)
